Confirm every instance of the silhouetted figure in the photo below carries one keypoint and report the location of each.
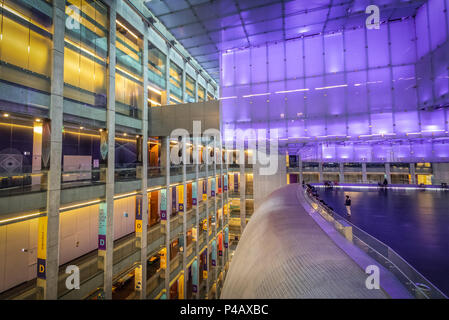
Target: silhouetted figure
(348, 205)
(385, 182)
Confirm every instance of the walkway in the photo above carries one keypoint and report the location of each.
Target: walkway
(283, 253)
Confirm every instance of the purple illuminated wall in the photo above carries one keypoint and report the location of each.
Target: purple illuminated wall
(350, 95)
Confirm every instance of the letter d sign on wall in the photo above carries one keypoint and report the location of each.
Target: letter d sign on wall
(41, 247)
(102, 226)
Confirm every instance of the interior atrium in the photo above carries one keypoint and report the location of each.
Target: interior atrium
(224, 149)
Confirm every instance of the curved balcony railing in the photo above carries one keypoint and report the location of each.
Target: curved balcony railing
(415, 282)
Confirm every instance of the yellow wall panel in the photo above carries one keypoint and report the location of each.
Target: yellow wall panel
(15, 43)
(40, 60)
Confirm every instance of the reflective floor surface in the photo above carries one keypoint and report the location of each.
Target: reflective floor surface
(414, 223)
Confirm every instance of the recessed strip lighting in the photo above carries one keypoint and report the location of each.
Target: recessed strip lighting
(257, 94)
(84, 50)
(225, 98)
(14, 12)
(174, 98)
(432, 130)
(124, 27)
(21, 217)
(154, 102)
(332, 87)
(127, 73)
(154, 90)
(295, 90)
(79, 205)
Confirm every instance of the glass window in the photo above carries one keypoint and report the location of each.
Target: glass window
(156, 66)
(190, 89)
(175, 83)
(25, 46)
(201, 93)
(86, 52)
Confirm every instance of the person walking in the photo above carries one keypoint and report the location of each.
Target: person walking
(348, 205)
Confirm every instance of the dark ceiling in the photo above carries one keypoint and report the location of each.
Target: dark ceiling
(206, 27)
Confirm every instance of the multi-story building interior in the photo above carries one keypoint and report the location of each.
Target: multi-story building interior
(132, 131)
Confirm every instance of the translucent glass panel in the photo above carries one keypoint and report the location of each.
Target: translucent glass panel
(424, 81)
(437, 21)
(432, 70)
(358, 124)
(403, 48)
(379, 90)
(25, 45)
(276, 65)
(404, 84)
(440, 66)
(259, 64)
(294, 59)
(333, 48)
(406, 122)
(85, 53)
(314, 58)
(156, 66)
(432, 121)
(335, 95)
(336, 126)
(357, 91)
(382, 123)
(355, 50)
(378, 52)
(404, 151)
(242, 67)
(422, 31)
(227, 69)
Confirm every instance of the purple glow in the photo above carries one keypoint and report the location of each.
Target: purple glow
(385, 106)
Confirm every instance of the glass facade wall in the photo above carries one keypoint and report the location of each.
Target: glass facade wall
(358, 94)
(175, 83)
(156, 66)
(201, 93)
(190, 89)
(128, 77)
(86, 53)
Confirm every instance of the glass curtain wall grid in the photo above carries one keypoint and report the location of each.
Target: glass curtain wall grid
(354, 95)
(86, 53)
(25, 44)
